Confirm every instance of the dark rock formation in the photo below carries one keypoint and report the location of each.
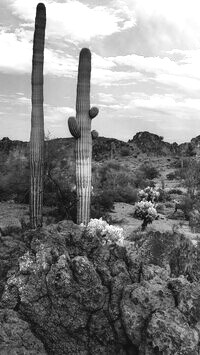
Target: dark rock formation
(153, 144)
(81, 296)
(16, 336)
(56, 148)
(11, 248)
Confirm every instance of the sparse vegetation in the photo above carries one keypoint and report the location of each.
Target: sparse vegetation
(150, 171)
(125, 151)
(79, 284)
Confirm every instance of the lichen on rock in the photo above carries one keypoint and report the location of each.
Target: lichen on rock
(82, 296)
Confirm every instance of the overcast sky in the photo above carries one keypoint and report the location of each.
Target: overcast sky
(145, 66)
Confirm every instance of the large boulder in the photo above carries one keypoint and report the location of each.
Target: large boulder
(16, 336)
(69, 286)
(11, 248)
(84, 295)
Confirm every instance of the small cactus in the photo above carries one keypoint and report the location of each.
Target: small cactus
(94, 134)
(80, 128)
(37, 120)
(112, 150)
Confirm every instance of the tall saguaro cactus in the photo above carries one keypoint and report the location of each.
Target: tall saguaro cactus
(80, 128)
(37, 120)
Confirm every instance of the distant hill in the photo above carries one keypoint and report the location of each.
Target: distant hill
(153, 144)
(103, 148)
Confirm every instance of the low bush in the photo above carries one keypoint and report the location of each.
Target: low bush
(14, 184)
(171, 176)
(175, 192)
(150, 171)
(186, 205)
(102, 203)
(163, 196)
(127, 195)
(194, 220)
(125, 151)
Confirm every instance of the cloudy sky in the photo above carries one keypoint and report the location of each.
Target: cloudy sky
(145, 66)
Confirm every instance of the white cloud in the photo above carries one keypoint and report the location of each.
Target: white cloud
(181, 15)
(16, 53)
(102, 62)
(55, 114)
(75, 19)
(169, 104)
(111, 107)
(182, 73)
(17, 57)
(105, 77)
(107, 98)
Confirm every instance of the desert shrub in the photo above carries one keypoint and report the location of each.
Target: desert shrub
(128, 195)
(116, 180)
(186, 205)
(112, 164)
(171, 176)
(175, 191)
(182, 162)
(125, 151)
(191, 176)
(160, 208)
(194, 220)
(60, 192)
(190, 150)
(150, 171)
(139, 179)
(102, 203)
(169, 205)
(163, 195)
(14, 184)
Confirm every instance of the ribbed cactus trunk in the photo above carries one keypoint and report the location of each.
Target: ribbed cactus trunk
(37, 120)
(80, 128)
(84, 143)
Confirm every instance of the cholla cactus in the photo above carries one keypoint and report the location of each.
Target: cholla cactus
(37, 120)
(149, 194)
(146, 211)
(80, 128)
(109, 234)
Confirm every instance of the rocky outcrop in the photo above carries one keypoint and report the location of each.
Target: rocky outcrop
(11, 248)
(16, 336)
(82, 296)
(153, 144)
(103, 148)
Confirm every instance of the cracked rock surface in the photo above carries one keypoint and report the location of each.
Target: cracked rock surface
(77, 295)
(16, 336)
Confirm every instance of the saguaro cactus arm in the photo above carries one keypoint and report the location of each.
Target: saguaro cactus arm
(37, 120)
(93, 112)
(94, 134)
(74, 127)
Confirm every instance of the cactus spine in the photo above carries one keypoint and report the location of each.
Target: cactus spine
(84, 116)
(37, 120)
